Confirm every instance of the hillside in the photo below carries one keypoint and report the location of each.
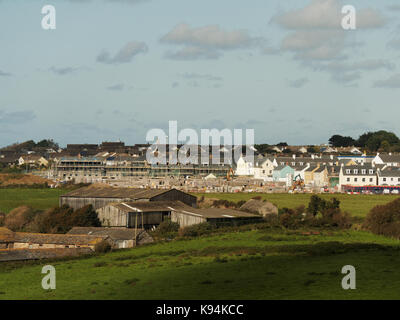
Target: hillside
(253, 264)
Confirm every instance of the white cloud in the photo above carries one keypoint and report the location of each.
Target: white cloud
(206, 42)
(392, 82)
(316, 32)
(298, 83)
(124, 55)
(4, 74)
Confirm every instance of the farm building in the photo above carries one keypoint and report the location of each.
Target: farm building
(219, 217)
(140, 214)
(137, 214)
(26, 240)
(119, 237)
(99, 197)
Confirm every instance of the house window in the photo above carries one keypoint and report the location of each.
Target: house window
(363, 171)
(348, 179)
(355, 171)
(363, 179)
(355, 179)
(384, 179)
(371, 179)
(371, 171)
(348, 171)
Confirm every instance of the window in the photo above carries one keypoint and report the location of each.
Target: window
(384, 179)
(348, 179)
(355, 171)
(363, 179)
(371, 171)
(355, 179)
(371, 179)
(348, 171)
(363, 171)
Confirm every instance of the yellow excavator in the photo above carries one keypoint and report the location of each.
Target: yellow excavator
(229, 174)
(298, 183)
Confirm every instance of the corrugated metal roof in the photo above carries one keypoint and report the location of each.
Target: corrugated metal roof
(150, 206)
(117, 193)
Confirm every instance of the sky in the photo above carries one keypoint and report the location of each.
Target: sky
(114, 69)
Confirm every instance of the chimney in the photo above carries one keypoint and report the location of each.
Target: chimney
(331, 156)
(312, 157)
(294, 157)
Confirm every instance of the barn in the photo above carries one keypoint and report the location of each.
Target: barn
(137, 214)
(99, 197)
(214, 216)
(141, 214)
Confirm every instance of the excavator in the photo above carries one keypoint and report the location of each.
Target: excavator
(229, 174)
(298, 183)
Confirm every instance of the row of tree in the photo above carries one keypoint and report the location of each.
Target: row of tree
(372, 141)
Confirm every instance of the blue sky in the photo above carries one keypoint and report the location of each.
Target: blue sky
(113, 69)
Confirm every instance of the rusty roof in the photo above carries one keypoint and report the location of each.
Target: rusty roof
(65, 239)
(113, 233)
(216, 213)
(117, 193)
(150, 206)
(6, 235)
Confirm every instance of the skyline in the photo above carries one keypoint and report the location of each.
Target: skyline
(285, 70)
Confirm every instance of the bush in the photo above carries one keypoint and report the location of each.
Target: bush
(18, 218)
(167, 226)
(384, 219)
(102, 247)
(196, 230)
(2, 218)
(62, 219)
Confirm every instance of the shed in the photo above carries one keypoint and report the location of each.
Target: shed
(119, 237)
(99, 197)
(137, 214)
(214, 216)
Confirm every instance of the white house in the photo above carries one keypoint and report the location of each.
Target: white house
(358, 175)
(263, 169)
(389, 177)
(389, 159)
(245, 166)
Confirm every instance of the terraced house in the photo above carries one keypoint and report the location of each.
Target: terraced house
(358, 175)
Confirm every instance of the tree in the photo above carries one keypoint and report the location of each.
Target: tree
(341, 141)
(373, 140)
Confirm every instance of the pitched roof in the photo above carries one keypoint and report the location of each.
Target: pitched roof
(117, 193)
(149, 206)
(113, 233)
(390, 158)
(215, 213)
(63, 239)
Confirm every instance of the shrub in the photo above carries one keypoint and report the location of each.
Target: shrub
(384, 219)
(18, 218)
(196, 230)
(166, 229)
(62, 219)
(167, 226)
(319, 205)
(2, 218)
(102, 247)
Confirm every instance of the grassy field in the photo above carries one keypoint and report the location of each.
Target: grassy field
(258, 264)
(356, 205)
(35, 198)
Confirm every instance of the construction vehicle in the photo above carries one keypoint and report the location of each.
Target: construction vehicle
(230, 174)
(298, 183)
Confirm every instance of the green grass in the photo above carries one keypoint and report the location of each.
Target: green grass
(356, 205)
(258, 264)
(35, 198)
